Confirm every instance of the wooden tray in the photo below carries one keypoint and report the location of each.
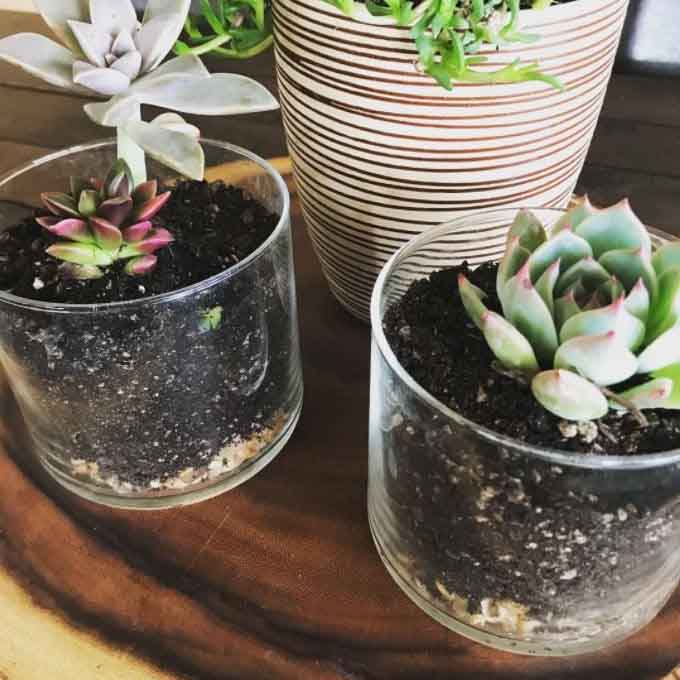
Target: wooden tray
(278, 579)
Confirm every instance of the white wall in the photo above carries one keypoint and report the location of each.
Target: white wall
(20, 5)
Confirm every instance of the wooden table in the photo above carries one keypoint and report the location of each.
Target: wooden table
(279, 578)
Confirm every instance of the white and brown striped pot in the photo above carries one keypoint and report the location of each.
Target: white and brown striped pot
(381, 152)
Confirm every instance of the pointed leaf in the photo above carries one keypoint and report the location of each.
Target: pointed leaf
(574, 216)
(629, 265)
(82, 272)
(565, 308)
(612, 289)
(123, 43)
(615, 228)
(173, 149)
(116, 210)
(568, 395)
(60, 204)
(113, 16)
(528, 228)
(652, 394)
(222, 94)
(118, 182)
(184, 67)
(566, 246)
(664, 351)
(614, 317)
(174, 13)
(129, 65)
(88, 202)
(94, 42)
(672, 373)
(603, 359)
(108, 235)
(136, 232)
(158, 238)
(41, 57)
(591, 273)
(80, 253)
(509, 346)
(545, 286)
(173, 121)
(56, 14)
(665, 312)
(151, 208)
(667, 257)
(513, 259)
(638, 301)
(72, 229)
(530, 315)
(145, 192)
(115, 111)
(141, 265)
(472, 297)
(104, 81)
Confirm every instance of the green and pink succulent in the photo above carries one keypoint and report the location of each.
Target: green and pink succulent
(101, 222)
(585, 308)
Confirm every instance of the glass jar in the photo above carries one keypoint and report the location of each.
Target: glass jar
(518, 547)
(143, 404)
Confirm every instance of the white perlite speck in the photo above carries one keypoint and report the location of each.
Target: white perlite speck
(569, 575)
(38, 283)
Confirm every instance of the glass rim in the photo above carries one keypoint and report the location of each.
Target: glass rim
(559, 457)
(160, 298)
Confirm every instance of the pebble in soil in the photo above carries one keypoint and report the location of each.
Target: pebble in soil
(439, 346)
(215, 226)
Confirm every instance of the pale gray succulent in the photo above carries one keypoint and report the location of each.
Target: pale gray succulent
(585, 308)
(106, 52)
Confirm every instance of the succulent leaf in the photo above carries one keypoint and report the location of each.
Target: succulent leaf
(137, 232)
(591, 273)
(150, 209)
(116, 210)
(528, 229)
(145, 192)
(667, 257)
(156, 239)
(638, 301)
(545, 286)
(565, 246)
(113, 16)
(615, 228)
(92, 40)
(530, 315)
(652, 394)
(565, 308)
(88, 202)
(666, 311)
(108, 235)
(612, 289)
(662, 352)
(574, 216)
(167, 18)
(118, 182)
(514, 257)
(141, 265)
(472, 297)
(672, 373)
(80, 253)
(614, 317)
(602, 359)
(568, 395)
(629, 265)
(72, 229)
(60, 204)
(82, 272)
(57, 13)
(509, 346)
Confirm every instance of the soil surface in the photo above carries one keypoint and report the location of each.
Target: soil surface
(214, 225)
(435, 341)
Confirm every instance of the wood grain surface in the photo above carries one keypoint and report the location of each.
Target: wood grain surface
(279, 578)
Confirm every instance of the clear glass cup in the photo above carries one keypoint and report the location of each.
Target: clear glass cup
(472, 525)
(142, 404)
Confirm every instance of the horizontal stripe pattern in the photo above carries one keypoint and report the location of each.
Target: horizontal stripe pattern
(381, 153)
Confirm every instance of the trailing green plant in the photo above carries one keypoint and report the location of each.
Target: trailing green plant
(237, 29)
(585, 309)
(102, 222)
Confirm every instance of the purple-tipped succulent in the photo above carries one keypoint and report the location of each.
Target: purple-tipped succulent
(586, 307)
(101, 222)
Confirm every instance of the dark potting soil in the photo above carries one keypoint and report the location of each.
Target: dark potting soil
(484, 522)
(214, 225)
(435, 341)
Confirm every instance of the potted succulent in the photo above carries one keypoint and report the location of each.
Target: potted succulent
(148, 323)
(524, 484)
(411, 113)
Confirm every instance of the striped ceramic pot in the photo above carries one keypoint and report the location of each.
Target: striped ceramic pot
(382, 153)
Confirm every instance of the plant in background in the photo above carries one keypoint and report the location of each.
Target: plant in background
(237, 29)
(449, 33)
(108, 53)
(102, 222)
(584, 310)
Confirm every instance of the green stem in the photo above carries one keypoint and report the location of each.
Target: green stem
(210, 45)
(131, 153)
(246, 54)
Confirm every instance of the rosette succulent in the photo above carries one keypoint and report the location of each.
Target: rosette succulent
(107, 52)
(587, 307)
(102, 222)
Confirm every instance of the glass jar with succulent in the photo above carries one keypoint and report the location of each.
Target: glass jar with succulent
(524, 480)
(147, 315)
